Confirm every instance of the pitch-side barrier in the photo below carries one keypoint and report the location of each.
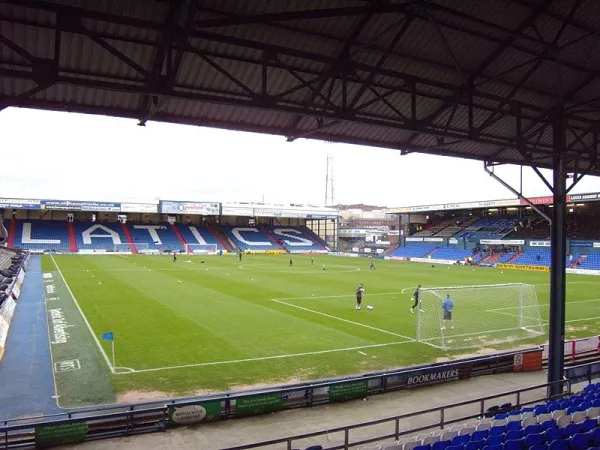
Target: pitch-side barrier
(122, 420)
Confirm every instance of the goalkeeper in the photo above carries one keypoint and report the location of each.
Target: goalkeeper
(417, 299)
(448, 306)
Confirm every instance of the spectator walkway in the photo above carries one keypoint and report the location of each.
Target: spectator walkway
(27, 386)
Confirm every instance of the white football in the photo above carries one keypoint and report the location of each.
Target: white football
(369, 307)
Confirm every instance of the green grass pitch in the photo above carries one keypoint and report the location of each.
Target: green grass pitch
(185, 328)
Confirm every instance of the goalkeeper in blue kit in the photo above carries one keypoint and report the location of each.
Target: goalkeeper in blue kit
(448, 306)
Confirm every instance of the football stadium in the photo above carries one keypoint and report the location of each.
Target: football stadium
(216, 324)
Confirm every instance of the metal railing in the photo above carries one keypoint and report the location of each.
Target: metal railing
(442, 413)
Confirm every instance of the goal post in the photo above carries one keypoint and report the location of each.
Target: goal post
(483, 315)
(201, 249)
(140, 247)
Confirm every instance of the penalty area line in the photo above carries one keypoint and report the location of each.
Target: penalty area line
(263, 358)
(344, 320)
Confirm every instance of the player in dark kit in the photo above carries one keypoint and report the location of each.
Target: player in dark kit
(417, 299)
(240, 256)
(360, 290)
(175, 256)
(372, 266)
(291, 262)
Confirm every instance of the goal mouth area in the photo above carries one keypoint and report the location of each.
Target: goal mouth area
(479, 316)
(201, 249)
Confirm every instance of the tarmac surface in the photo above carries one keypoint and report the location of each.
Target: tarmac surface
(235, 432)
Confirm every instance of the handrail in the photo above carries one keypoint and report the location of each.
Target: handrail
(396, 419)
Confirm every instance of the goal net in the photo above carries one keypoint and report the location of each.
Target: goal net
(482, 315)
(201, 249)
(140, 247)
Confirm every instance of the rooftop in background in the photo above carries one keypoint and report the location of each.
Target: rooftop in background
(547, 200)
(475, 79)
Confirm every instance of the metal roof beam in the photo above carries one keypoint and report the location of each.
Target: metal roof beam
(377, 7)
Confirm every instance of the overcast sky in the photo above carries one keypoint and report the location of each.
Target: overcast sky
(82, 157)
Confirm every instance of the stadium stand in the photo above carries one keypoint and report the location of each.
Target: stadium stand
(489, 228)
(99, 236)
(590, 262)
(250, 238)
(451, 254)
(434, 229)
(156, 236)
(10, 263)
(570, 423)
(413, 251)
(193, 234)
(540, 258)
(41, 235)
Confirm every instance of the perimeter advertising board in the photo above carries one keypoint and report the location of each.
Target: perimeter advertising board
(148, 208)
(191, 208)
(76, 205)
(19, 203)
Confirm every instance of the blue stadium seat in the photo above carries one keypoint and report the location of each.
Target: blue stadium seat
(531, 429)
(515, 425)
(572, 429)
(580, 441)
(514, 444)
(456, 447)
(493, 447)
(511, 435)
(460, 440)
(494, 439)
(553, 434)
(440, 445)
(533, 439)
(559, 444)
(547, 425)
(480, 435)
(596, 436)
(475, 445)
(588, 425)
(495, 431)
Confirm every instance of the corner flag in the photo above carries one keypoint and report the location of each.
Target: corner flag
(108, 336)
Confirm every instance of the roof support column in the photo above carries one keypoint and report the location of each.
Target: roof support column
(557, 265)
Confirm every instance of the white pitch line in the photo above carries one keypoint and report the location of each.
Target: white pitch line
(343, 320)
(333, 296)
(362, 353)
(582, 320)
(266, 358)
(545, 304)
(110, 366)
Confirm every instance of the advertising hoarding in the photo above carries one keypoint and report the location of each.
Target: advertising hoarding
(191, 208)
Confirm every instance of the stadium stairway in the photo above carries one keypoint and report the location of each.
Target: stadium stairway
(12, 231)
(491, 259)
(431, 252)
(226, 243)
(128, 238)
(592, 262)
(273, 238)
(579, 261)
(179, 235)
(72, 239)
(514, 258)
